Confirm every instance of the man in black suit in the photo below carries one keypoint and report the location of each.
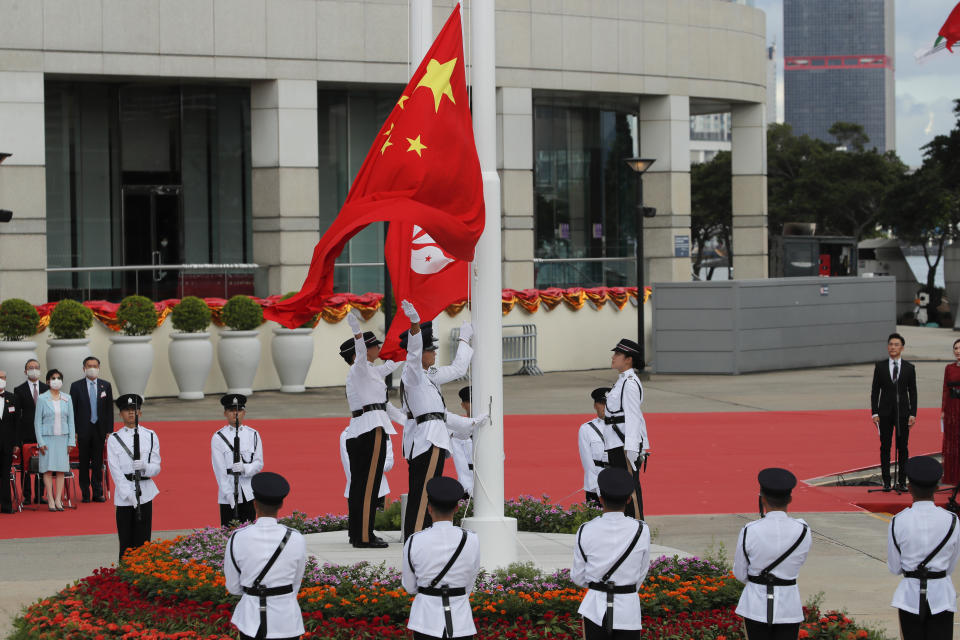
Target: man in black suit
(8, 441)
(893, 401)
(93, 417)
(25, 396)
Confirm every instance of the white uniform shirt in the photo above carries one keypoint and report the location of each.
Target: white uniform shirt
(624, 399)
(425, 553)
(766, 540)
(600, 543)
(462, 451)
(221, 453)
(345, 461)
(365, 386)
(120, 463)
(250, 548)
(421, 395)
(590, 443)
(919, 529)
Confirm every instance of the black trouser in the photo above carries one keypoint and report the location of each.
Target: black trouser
(90, 449)
(618, 458)
(132, 532)
(428, 464)
(886, 437)
(593, 631)
(244, 513)
(367, 453)
(422, 636)
(757, 630)
(933, 627)
(6, 462)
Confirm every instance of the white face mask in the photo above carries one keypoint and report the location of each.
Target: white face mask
(56, 383)
(33, 374)
(3, 384)
(92, 372)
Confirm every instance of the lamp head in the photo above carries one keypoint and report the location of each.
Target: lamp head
(5, 215)
(4, 156)
(640, 165)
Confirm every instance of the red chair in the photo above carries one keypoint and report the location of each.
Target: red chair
(16, 495)
(30, 467)
(71, 486)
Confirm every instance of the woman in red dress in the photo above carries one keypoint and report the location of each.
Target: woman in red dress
(950, 416)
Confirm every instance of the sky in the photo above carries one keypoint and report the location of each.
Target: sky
(925, 92)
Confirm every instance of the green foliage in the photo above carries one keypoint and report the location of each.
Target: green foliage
(388, 519)
(18, 319)
(711, 203)
(137, 316)
(241, 313)
(191, 315)
(70, 320)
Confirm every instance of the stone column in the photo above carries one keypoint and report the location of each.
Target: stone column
(23, 241)
(749, 170)
(665, 137)
(285, 185)
(515, 164)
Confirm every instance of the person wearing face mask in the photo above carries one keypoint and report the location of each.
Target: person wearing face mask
(93, 407)
(8, 440)
(26, 396)
(54, 425)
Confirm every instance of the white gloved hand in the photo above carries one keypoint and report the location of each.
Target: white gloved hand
(466, 331)
(139, 465)
(237, 467)
(354, 323)
(632, 457)
(481, 419)
(410, 311)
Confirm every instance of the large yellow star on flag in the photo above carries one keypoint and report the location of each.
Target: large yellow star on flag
(437, 78)
(416, 145)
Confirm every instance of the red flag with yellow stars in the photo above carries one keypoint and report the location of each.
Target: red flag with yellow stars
(422, 170)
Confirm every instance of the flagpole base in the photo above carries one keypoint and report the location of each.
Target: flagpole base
(498, 540)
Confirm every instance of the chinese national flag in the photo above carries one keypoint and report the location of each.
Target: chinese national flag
(421, 170)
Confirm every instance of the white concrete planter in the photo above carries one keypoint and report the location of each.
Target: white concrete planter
(292, 351)
(67, 354)
(13, 356)
(191, 356)
(131, 361)
(239, 355)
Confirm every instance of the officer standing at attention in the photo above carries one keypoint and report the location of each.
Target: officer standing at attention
(462, 448)
(440, 566)
(611, 558)
(237, 455)
(593, 457)
(625, 430)
(133, 457)
(264, 563)
(769, 554)
(923, 545)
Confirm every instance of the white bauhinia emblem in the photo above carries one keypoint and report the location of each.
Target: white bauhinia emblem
(428, 257)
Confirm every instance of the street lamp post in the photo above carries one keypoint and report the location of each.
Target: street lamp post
(639, 167)
(5, 214)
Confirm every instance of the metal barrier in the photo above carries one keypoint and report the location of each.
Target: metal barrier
(517, 347)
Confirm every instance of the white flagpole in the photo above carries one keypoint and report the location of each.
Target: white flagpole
(421, 32)
(497, 535)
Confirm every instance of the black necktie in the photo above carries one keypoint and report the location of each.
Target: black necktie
(896, 371)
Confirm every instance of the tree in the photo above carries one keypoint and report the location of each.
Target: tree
(787, 158)
(849, 135)
(711, 205)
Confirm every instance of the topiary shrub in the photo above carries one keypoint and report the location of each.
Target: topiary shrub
(18, 319)
(137, 316)
(70, 320)
(241, 313)
(191, 315)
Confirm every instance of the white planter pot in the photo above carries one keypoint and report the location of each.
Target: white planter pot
(131, 361)
(67, 354)
(292, 351)
(239, 355)
(191, 356)
(13, 357)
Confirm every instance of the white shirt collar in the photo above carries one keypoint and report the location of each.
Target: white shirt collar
(265, 521)
(777, 514)
(892, 360)
(614, 515)
(442, 523)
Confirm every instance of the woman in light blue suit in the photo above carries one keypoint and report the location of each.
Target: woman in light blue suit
(53, 423)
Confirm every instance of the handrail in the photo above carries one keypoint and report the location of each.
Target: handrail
(561, 260)
(156, 267)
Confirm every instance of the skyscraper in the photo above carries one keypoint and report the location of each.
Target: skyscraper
(838, 66)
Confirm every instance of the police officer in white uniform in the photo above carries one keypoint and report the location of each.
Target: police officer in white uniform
(611, 559)
(769, 554)
(426, 437)
(462, 448)
(593, 456)
(133, 457)
(440, 566)
(264, 563)
(369, 431)
(923, 544)
(625, 430)
(387, 466)
(236, 452)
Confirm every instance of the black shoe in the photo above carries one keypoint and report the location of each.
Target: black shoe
(373, 544)
(99, 499)
(85, 499)
(901, 487)
(886, 487)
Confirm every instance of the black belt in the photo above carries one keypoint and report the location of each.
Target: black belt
(263, 593)
(444, 593)
(610, 589)
(923, 575)
(601, 463)
(614, 419)
(470, 466)
(770, 581)
(381, 406)
(131, 477)
(436, 415)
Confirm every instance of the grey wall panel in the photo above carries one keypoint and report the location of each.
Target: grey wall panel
(690, 362)
(684, 297)
(702, 340)
(684, 320)
(815, 335)
(759, 318)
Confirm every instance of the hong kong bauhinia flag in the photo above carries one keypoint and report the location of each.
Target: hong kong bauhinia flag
(422, 175)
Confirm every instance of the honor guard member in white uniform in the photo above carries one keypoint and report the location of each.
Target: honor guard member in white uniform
(133, 457)
(923, 544)
(369, 430)
(625, 430)
(593, 456)
(264, 563)
(237, 455)
(440, 566)
(462, 448)
(611, 559)
(387, 466)
(426, 439)
(769, 554)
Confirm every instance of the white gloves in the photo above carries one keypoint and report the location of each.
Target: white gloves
(237, 467)
(410, 311)
(139, 465)
(466, 331)
(354, 323)
(481, 419)
(632, 457)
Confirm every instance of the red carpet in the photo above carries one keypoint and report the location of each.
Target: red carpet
(701, 463)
